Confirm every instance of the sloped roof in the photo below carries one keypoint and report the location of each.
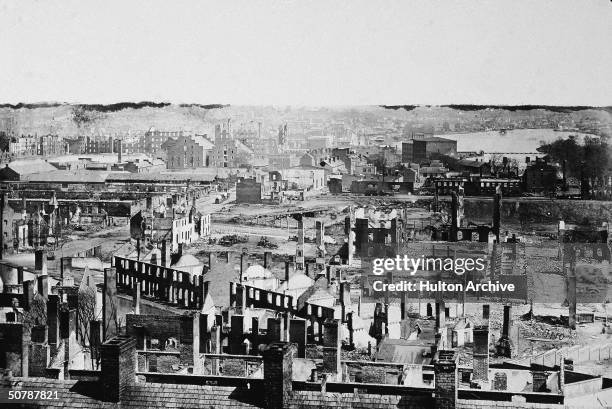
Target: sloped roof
(187, 260)
(160, 177)
(256, 271)
(90, 394)
(203, 142)
(26, 167)
(67, 176)
(403, 351)
(243, 148)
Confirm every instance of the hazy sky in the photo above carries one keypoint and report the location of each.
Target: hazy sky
(307, 52)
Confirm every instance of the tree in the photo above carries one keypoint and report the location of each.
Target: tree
(565, 150)
(5, 140)
(587, 162)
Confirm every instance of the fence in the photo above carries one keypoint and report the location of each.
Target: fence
(577, 353)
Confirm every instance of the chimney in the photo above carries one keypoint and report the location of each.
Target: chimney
(440, 315)
(506, 324)
(299, 259)
(118, 366)
(481, 353)
(504, 345)
(136, 294)
(571, 294)
(445, 376)
(267, 263)
(287, 271)
(212, 260)
(43, 285)
(255, 333)
(40, 261)
(331, 348)
(53, 335)
(274, 330)
(109, 299)
(244, 264)
(165, 254)
(497, 213)
(68, 333)
(277, 372)
(28, 294)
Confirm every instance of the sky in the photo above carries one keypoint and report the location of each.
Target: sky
(353, 52)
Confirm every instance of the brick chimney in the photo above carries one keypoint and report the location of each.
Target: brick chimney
(445, 373)
(504, 345)
(278, 373)
(165, 254)
(109, 310)
(118, 357)
(481, 352)
(331, 348)
(244, 264)
(40, 261)
(267, 262)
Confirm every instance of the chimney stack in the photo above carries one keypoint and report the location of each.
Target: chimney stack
(504, 345)
(267, 262)
(445, 377)
(244, 265)
(277, 373)
(481, 353)
(331, 348)
(287, 271)
(118, 356)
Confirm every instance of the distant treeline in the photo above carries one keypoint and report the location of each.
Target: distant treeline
(109, 107)
(552, 108)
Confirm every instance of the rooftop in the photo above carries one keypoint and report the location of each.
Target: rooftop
(26, 167)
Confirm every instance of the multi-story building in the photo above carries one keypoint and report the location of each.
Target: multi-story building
(187, 152)
(154, 139)
(46, 145)
(228, 152)
(422, 149)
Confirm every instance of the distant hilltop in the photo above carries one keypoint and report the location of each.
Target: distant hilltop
(108, 107)
(513, 108)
